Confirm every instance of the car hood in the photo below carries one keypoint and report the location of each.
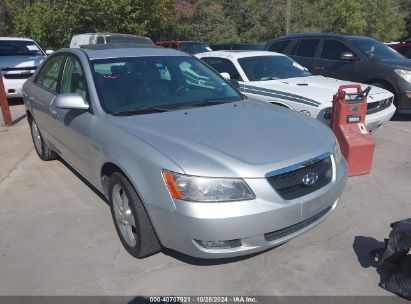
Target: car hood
(243, 139)
(399, 63)
(314, 89)
(20, 61)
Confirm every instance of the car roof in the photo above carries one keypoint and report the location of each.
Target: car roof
(237, 54)
(322, 35)
(111, 34)
(179, 41)
(15, 38)
(118, 51)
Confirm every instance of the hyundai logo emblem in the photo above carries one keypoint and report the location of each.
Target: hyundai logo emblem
(310, 179)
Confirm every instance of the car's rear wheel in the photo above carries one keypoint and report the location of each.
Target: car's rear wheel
(131, 219)
(43, 151)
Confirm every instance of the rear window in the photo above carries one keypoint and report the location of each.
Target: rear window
(248, 46)
(19, 48)
(307, 47)
(279, 46)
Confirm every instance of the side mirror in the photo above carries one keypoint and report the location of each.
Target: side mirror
(70, 101)
(49, 52)
(225, 75)
(348, 56)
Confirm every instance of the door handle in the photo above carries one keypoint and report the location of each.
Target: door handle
(319, 68)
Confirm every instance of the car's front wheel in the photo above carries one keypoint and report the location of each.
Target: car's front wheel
(131, 219)
(43, 151)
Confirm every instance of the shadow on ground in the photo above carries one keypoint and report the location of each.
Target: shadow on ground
(401, 117)
(363, 247)
(169, 252)
(86, 182)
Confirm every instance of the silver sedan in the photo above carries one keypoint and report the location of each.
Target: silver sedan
(185, 160)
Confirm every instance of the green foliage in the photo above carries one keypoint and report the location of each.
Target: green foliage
(210, 24)
(53, 22)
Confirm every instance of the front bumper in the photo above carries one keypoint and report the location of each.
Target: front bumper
(375, 120)
(251, 222)
(14, 87)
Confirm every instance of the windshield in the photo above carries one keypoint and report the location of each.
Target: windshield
(129, 39)
(19, 48)
(261, 68)
(376, 49)
(194, 47)
(158, 83)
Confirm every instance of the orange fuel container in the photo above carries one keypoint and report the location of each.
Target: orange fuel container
(348, 123)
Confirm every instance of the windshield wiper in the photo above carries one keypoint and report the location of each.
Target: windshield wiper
(202, 103)
(140, 111)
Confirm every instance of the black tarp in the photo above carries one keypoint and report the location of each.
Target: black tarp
(394, 261)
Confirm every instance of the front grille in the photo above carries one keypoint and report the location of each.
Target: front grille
(290, 185)
(373, 107)
(278, 234)
(17, 76)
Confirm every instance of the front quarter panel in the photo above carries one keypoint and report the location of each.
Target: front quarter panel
(141, 162)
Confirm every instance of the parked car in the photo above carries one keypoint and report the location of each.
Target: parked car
(403, 48)
(280, 80)
(247, 46)
(192, 47)
(353, 58)
(108, 38)
(196, 168)
(19, 58)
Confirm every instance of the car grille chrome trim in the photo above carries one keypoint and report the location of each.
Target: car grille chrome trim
(279, 234)
(289, 183)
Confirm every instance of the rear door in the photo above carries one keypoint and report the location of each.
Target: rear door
(42, 93)
(330, 63)
(305, 53)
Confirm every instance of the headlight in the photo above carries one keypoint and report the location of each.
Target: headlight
(206, 189)
(337, 152)
(405, 74)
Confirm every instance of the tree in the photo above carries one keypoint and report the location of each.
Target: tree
(52, 23)
(210, 24)
(384, 20)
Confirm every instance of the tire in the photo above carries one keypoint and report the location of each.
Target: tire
(43, 151)
(131, 219)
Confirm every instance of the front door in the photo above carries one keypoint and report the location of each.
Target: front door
(73, 126)
(331, 64)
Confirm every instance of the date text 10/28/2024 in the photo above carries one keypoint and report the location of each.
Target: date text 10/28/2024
(203, 299)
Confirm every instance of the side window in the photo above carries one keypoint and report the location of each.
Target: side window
(279, 46)
(307, 47)
(49, 73)
(100, 40)
(74, 80)
(223, 65)
(333, 49)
